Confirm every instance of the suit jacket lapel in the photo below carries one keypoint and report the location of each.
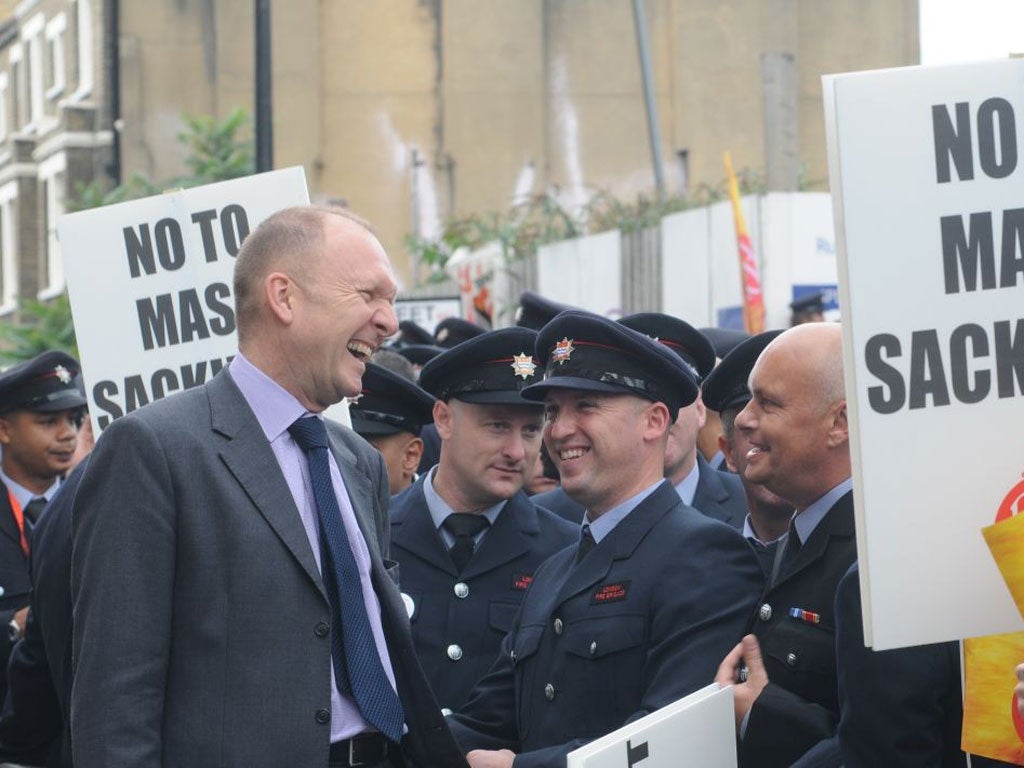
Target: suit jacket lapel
(7, 522)
(509, 537)
(414, 530)
(838, 521)
(620, 542)
(248, 456)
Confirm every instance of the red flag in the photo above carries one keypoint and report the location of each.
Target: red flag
(753, 299)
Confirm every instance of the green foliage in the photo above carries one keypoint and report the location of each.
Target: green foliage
(45, 325)
(542, 219)
(215, 153)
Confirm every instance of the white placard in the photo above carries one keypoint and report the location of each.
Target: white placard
(150, 284)
(929, 209)
(698, 731)
(427, 313)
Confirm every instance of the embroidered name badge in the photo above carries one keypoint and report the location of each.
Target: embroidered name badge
(610, 593)
(520, 581)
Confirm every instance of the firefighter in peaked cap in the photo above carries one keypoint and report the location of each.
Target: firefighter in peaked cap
(465, 534)
(41, 410)
(626, 620)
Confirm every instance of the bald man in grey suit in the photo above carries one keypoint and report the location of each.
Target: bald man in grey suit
(203, 627)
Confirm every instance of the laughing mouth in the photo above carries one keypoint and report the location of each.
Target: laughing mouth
(571, 453)
(360, 349)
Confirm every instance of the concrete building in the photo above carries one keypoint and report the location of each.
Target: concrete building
(412, 111)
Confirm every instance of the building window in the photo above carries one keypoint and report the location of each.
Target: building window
(3, 105)
(51, 185)
(55, 55)
(83, 41)
(31, 36)
(19, 85)
(8, 249)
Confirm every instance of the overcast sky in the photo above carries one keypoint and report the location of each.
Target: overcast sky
(967, 30)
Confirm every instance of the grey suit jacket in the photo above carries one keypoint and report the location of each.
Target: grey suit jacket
(197, 597)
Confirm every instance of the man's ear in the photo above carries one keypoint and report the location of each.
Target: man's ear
(726, 448)
(6, 428)
(839, 429)
(443, 418)
(411, 455)
(657, 420)
(279, 292)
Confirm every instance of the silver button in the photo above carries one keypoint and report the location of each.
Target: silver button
(461, 590)
(2, 591)
(558, 626)
(454, 652)
(593, 648)
(791, 659)
(549, 692)
(445, 711)
(765, 612)
(513, 656)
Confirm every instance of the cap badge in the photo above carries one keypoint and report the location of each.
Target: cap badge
(63, 374)
(523, 365)
(563, 351)
(442, 335)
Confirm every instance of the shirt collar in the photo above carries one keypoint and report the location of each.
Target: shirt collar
(687, 487)
(606, 522)
(439, 509)
(807, 519)
(23, 495)
(750, 533)
(275, 407)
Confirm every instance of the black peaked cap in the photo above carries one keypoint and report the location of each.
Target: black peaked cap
(535, 311)
(726, 387)
(389, 403)
(452, 331)
(679, 336)
(583, 351)
(44, 384)
(491, 368)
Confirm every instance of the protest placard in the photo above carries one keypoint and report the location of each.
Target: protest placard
(150, 285)
(698, 730)
(929, 212)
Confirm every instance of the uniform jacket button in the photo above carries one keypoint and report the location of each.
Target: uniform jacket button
(445, 711)
(791, 659)
(549, 692)
(558, 626)
(454, 652)
(461, 590)
(593, 647)
(322, 629)
(765, 612)
(323, 716)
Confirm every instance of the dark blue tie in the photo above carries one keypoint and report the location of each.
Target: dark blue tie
(357, 665)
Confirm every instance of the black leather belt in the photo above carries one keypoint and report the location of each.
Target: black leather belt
(362, 749)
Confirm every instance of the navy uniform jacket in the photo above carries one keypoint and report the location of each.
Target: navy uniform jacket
(15, 583)
(636, 625)
(459, 621)
(35, 713)
(799, 707)
(720, 495)
(901, 707)
(558, 501)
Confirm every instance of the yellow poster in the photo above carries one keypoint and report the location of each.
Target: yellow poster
(992, 727)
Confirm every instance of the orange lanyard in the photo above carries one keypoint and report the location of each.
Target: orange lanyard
(19, 518)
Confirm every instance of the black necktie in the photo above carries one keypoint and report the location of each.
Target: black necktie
(357, 665)
(34, 508)
(788, 555)
(586, 543)
(464, 526)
